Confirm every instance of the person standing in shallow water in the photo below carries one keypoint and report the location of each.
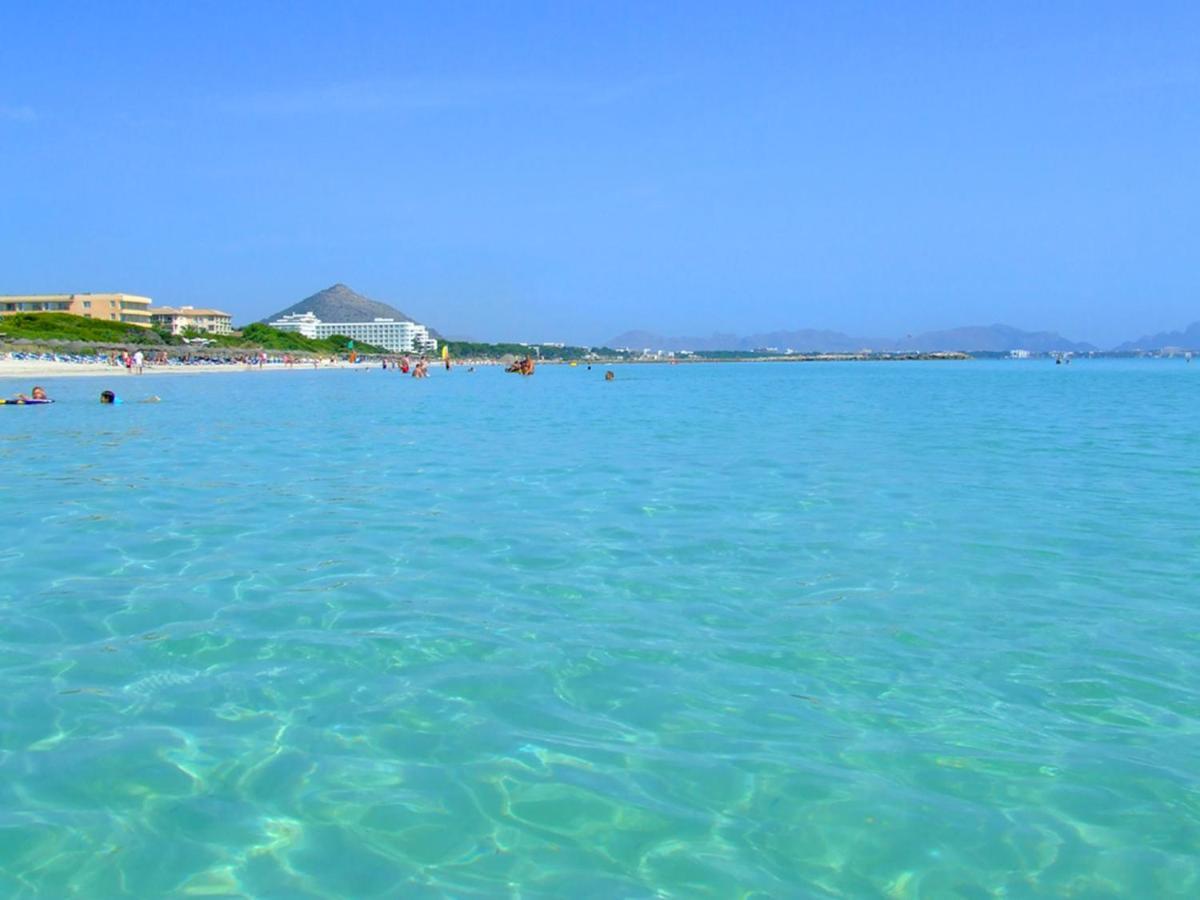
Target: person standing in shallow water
(522, 367)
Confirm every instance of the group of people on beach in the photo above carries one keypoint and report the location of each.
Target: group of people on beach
(135, 362)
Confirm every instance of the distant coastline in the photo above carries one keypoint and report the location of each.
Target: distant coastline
(996, 338)
(50, 364)
(98, 367)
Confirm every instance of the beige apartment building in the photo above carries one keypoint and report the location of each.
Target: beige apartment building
(180, 318)
(114, 307)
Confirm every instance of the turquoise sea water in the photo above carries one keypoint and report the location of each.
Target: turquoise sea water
(817, 630)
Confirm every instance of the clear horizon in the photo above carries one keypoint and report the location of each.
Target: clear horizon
(545, 173)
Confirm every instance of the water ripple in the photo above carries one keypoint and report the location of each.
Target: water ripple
(760, 631)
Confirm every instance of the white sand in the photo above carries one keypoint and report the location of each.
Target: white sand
(26, 369)
(33, 368)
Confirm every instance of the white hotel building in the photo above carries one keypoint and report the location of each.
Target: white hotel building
(391, 334)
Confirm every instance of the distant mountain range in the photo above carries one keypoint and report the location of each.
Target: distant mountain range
(341, 304)
(1188, 339)
(979, 338)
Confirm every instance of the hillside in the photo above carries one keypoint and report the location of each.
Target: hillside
(992, 338)
(340, 303)
(268, 338)
(48, 326)
(1188, 339)
(53, 326)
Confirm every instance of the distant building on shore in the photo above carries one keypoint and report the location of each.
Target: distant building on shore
(299, 323)
(391, 334)
(128, 308)
(178, 319)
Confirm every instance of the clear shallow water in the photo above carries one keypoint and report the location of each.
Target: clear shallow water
(906, 630)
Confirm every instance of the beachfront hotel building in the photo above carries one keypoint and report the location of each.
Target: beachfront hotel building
(178, 319)
(391, 334)
(299, 323)
(128, 308)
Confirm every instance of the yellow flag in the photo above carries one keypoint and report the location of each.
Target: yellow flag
(445, 351)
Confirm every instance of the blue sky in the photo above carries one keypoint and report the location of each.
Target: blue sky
(566, 171)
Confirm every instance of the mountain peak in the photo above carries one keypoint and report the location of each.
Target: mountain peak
(340, 303)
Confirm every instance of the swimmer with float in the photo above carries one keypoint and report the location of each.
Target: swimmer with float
(37, 398)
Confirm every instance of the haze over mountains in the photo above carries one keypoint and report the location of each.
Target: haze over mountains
(340, 303)
(994, 338)
(1188, 339)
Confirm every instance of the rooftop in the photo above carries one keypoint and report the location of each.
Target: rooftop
(186, 311)
(133, 298)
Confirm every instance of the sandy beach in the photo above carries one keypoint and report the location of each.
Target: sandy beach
(26, 369)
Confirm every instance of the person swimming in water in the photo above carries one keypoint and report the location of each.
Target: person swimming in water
(38, 394)
(610, 375)
(109, 398)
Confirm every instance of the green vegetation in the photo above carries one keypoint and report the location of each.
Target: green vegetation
(52, 326)
(476, 350)
(610, 353)
(268, 338)
(66, 327)
(263, 337)
(736, 354)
